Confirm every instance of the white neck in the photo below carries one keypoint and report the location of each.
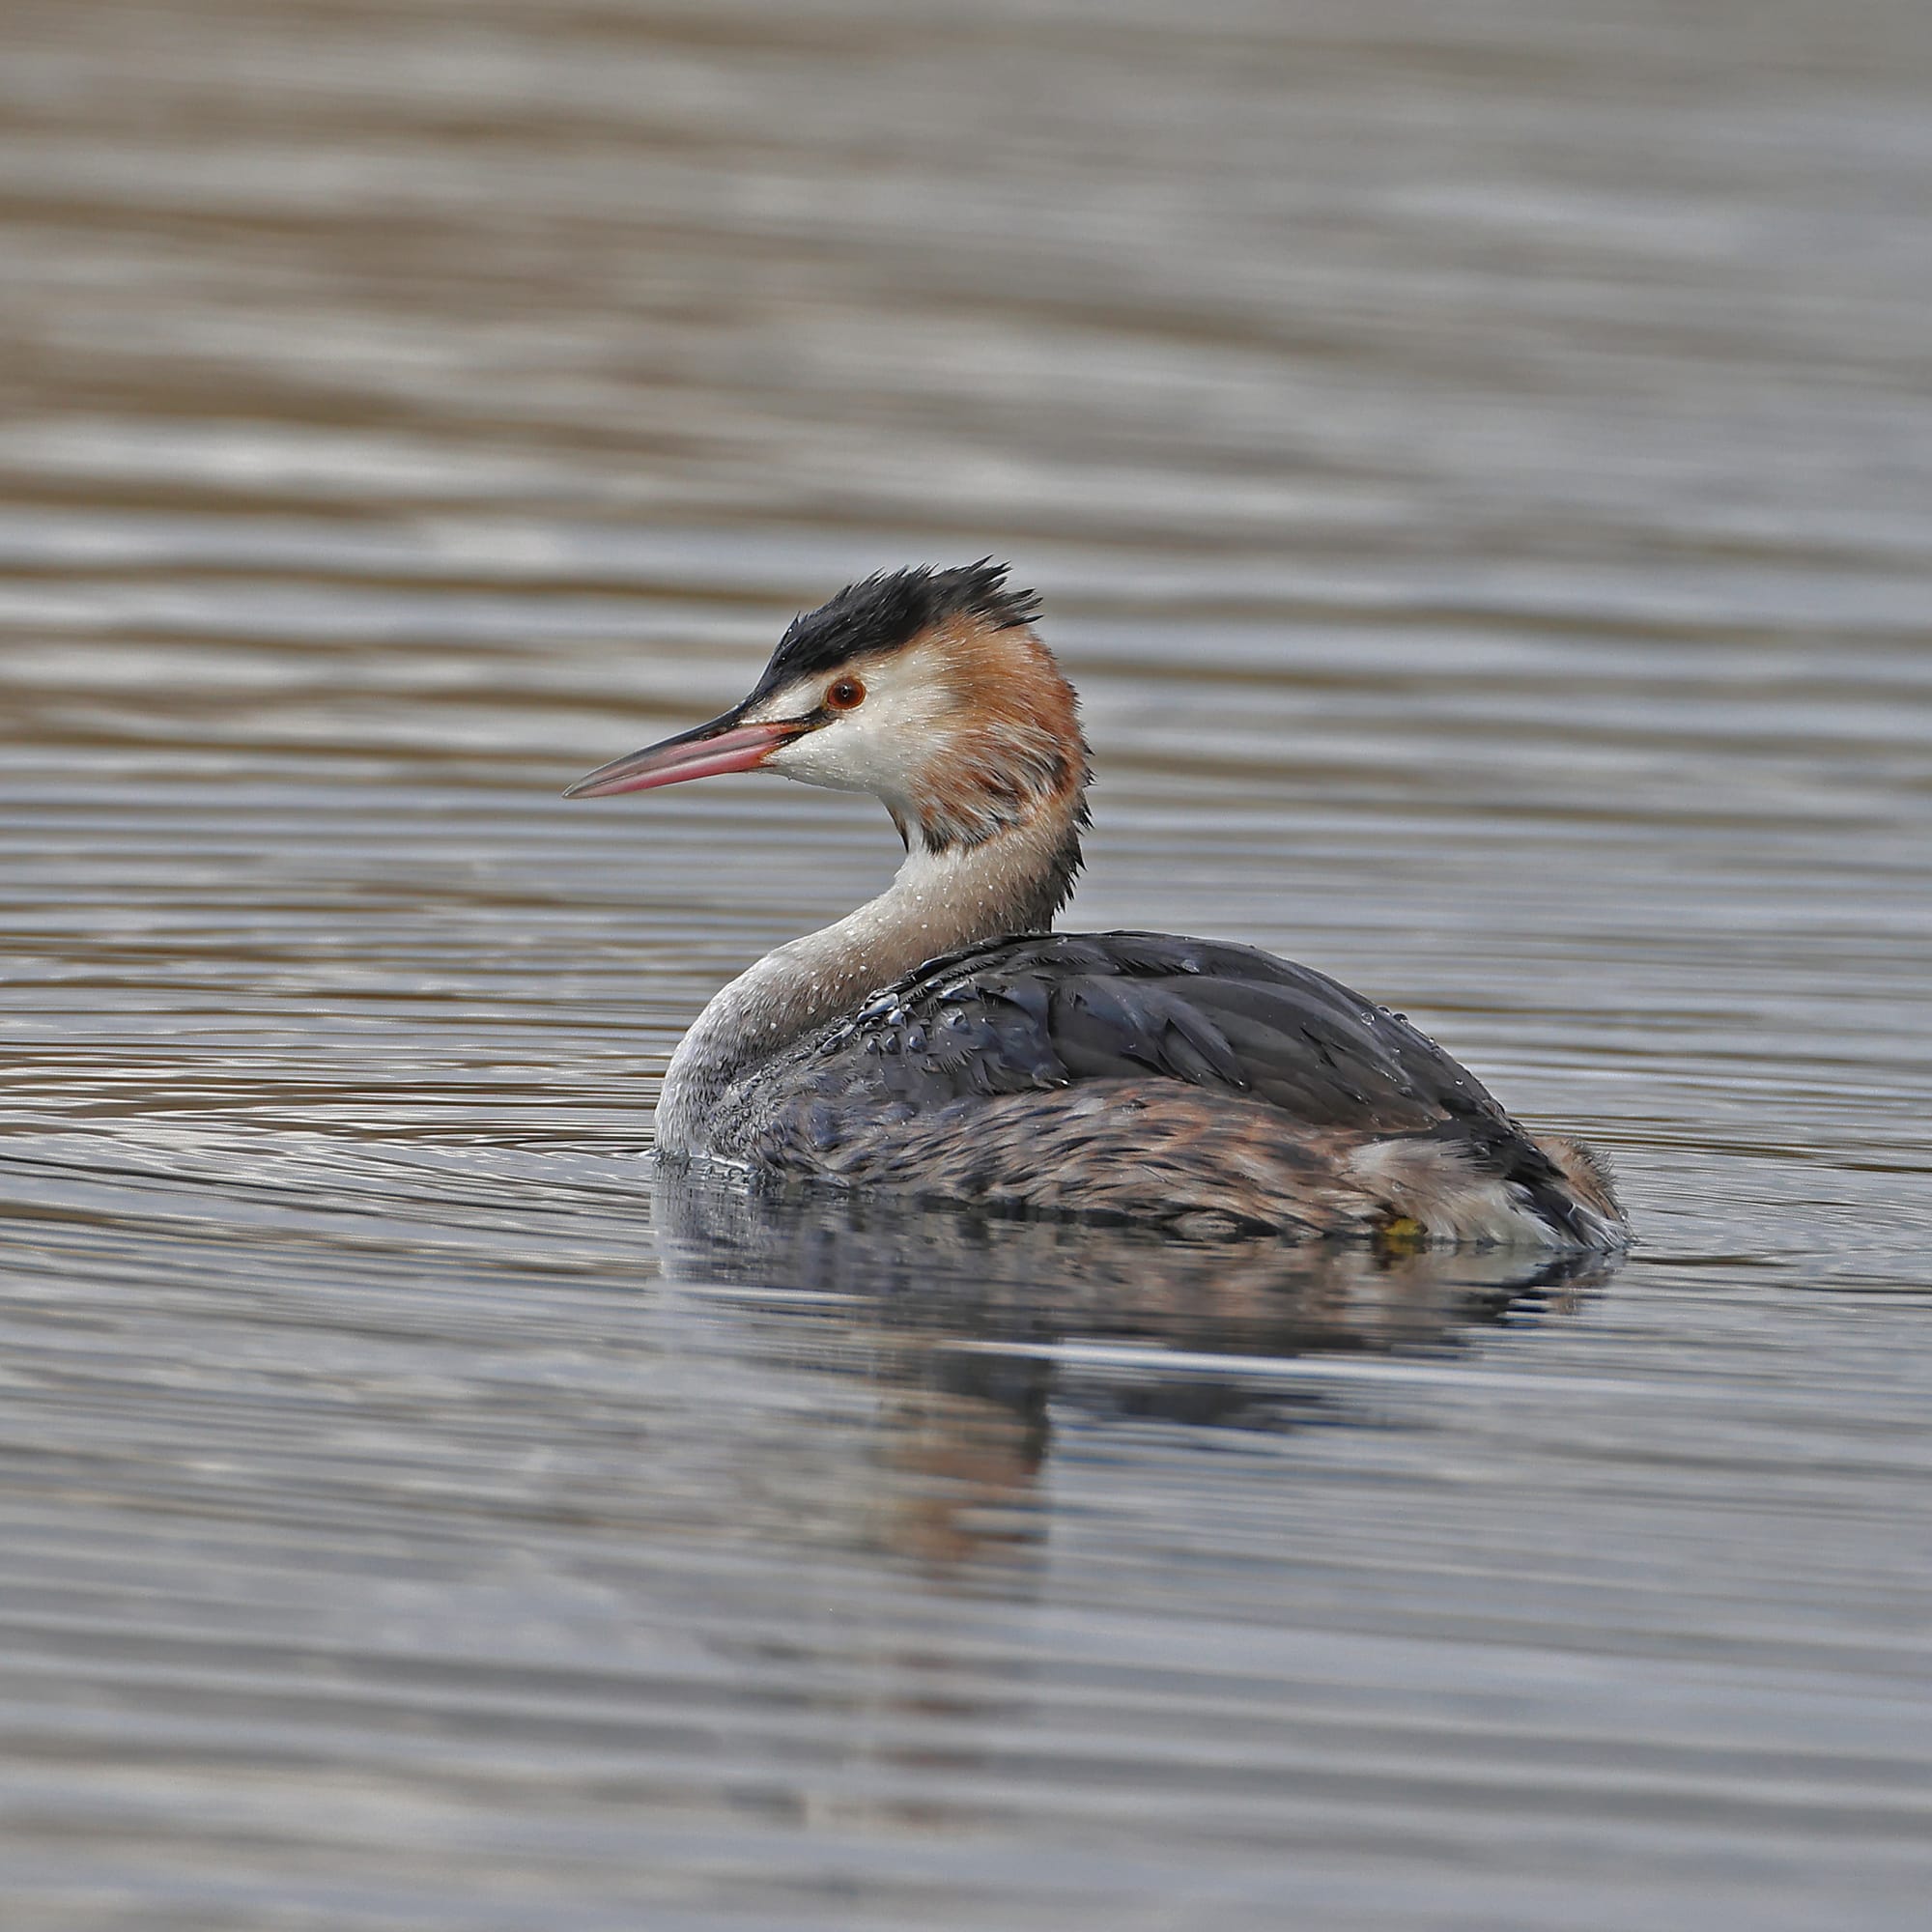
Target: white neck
(938, 902)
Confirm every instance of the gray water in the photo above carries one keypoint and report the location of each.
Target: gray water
(1477, 459)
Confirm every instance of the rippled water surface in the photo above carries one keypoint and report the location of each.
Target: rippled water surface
(1477, 459)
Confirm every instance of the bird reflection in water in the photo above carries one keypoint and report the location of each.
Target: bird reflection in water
(976, 1327)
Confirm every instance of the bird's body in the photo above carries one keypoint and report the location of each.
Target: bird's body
(942, 1041)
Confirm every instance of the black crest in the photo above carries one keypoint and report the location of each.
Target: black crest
(891, 609)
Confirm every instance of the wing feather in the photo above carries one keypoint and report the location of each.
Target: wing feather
(1060, 1008)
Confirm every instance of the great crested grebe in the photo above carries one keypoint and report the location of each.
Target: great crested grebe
(943, 1042)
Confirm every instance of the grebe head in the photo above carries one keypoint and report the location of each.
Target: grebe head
(927, 687)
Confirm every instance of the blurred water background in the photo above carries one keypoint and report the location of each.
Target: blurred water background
(1477, 457)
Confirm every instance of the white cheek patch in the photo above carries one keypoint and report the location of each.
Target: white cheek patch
(817, 759)
(882, 746)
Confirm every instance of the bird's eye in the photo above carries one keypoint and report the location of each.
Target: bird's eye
(845, 695)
